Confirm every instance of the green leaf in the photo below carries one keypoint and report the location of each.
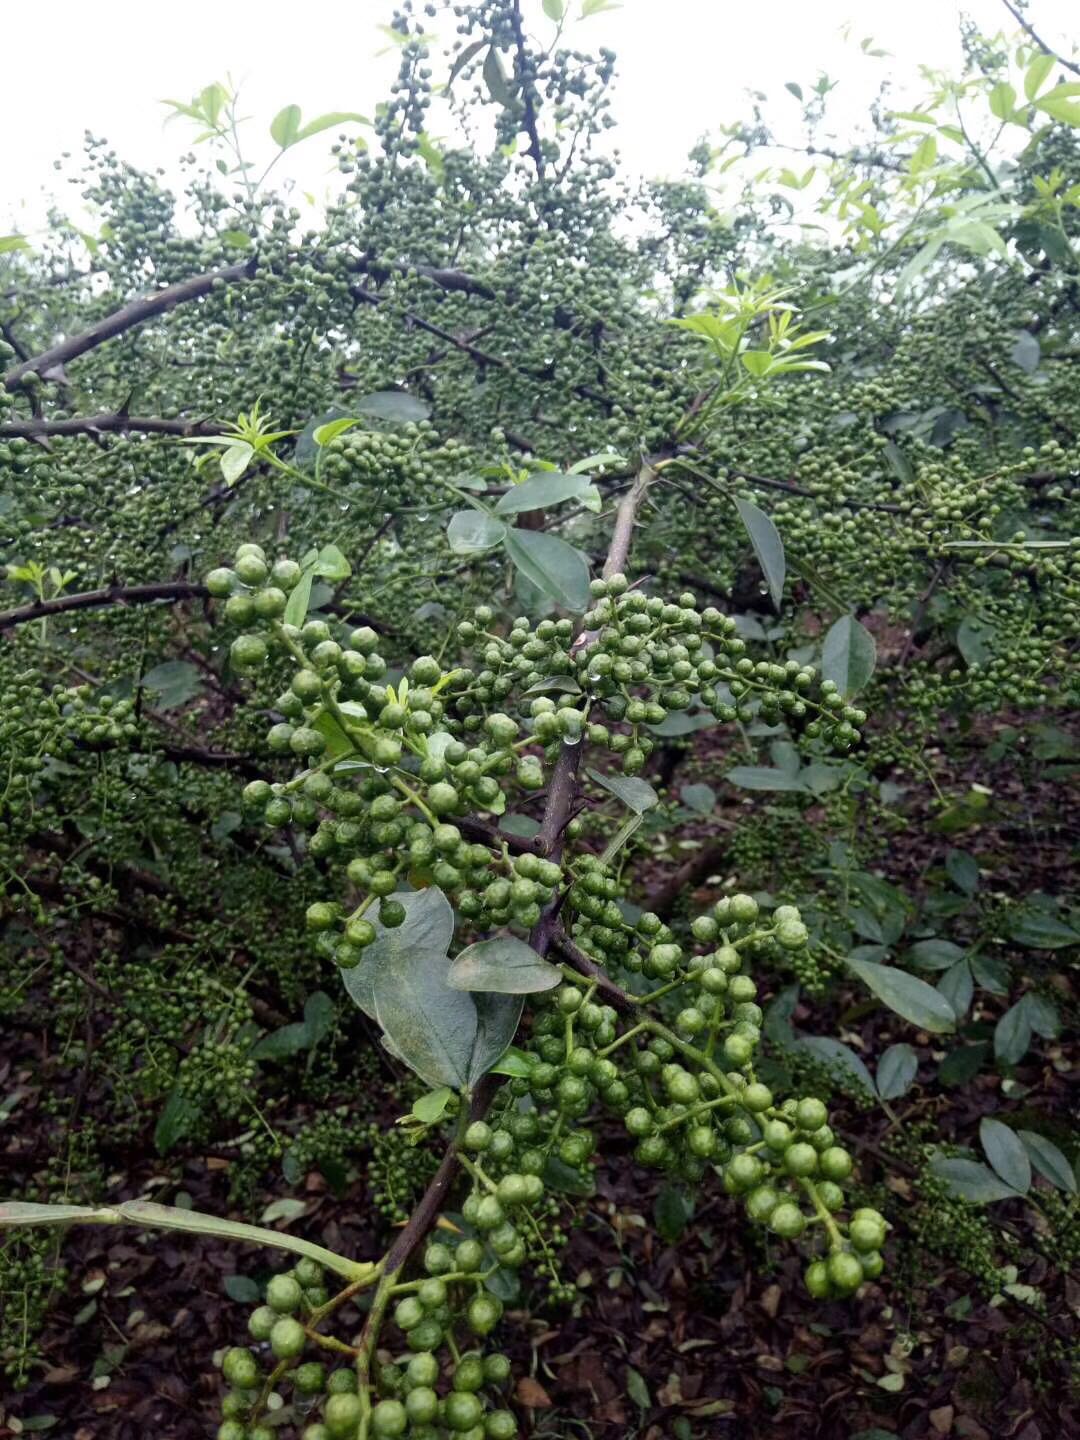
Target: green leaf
(331, 564)
(555, 9)
(431, 1026)
(1005, 1151)
(1039, 931)
(1042, 1015)
(323, 434)
(907, 995)
(768, 547)
(513, 1062)
(1049, 1161)
(463, 57)
(958, 987)
(432, 1107)
(425, 935)
(281, 1044)
(636, 1387)
(566, 1179)
(236, 239)
(1012, 1034)
(637, 795)
(1036, 74)
(242, 1289)
(896, 1071)
(1026, 352)
(974, 638)
(495, 78)
(991, 973)
(177, 1118)
(840, 1057)
(175, 682)
(962, 870)
(331, 120)
(296, 607)
(505, 965)
(497, 1020)
(285, 126)
(1002, 100)
(8, 243)
(543, 489)
(1060, 104)
(764, 777)
(699, 798)
(554, 567)
(473, 531)
(392, 405)
(235, 460)
(597, 7)
(970, 1180)
(848, 655)
(962, 1064)
(673, 1210)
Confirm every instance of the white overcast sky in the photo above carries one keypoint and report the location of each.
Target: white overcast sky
(684, 67)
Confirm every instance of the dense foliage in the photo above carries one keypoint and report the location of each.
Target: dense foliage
(397, 599)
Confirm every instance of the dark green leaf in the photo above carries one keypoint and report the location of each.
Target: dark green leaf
(974, 639)
(1039, 931)
(991, 973)
(176, 1119)
(907, 995)
(673, 1211)
(497, 1020)
(896, 1071)
(1049, 1161)
(566, 1179)
(282, 1043)
(505, 965)
(175, 682)
(1005, 1151)
(963, 1064)
(958, 987)
(553, 566)
(848, 655)
(969, 1180)
(840, 1057)
(1042, 1015)
(242, 1289)
(962, 870)
(768, 547)
(1012, 1034)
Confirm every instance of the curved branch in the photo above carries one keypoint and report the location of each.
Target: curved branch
(126, 318)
